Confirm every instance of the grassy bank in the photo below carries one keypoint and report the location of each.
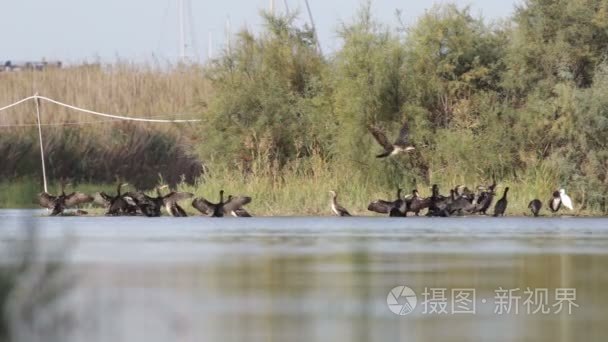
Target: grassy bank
(303, 191)
(22, 193)
(307, 193)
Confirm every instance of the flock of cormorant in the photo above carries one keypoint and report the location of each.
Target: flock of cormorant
(461, 201)
(138, 203)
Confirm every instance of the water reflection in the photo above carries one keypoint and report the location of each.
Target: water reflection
(311, 279)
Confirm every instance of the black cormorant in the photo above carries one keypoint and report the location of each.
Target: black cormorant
(400, 145)
(385, 207)
(501, 205)
(335, 207)
(535, 205)
(555, 203)
(61, 202)
(117, 205)
(417, 203)
(438, 203)
(151, 206)
(485, 198)
(232, 206)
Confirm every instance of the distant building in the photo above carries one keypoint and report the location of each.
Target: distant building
(17, 66)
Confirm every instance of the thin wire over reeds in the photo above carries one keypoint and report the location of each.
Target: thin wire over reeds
(86, 148)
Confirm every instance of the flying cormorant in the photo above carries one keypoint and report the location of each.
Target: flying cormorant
(401, 144)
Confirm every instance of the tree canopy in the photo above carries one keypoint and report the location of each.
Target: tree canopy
(520, 99)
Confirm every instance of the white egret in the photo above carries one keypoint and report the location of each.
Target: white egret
(566, 200)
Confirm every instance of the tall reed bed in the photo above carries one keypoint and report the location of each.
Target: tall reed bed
(95, 149)
(128, 89)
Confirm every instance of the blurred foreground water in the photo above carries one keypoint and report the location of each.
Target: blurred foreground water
(307, 279)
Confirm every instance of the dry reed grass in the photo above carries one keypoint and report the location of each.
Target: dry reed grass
(90, 148)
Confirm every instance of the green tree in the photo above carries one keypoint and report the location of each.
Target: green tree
(269, 97)
(556, 41)
(368, 89)
(451, 56)
(453, 72)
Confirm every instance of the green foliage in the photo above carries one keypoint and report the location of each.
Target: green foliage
(519, 102)
(556, 41)
(368, 89)
(522, 100)
(451, 56)
(270, 100)
(589, 132)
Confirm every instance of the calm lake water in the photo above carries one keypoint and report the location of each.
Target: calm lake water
(326, 279)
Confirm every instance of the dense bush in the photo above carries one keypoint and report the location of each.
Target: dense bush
(519, 99)
(522, 100)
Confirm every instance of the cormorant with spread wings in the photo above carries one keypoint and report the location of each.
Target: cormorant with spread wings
(117, 205)
(401, 144)
(233, 206)
(151, 206)
(61, 202)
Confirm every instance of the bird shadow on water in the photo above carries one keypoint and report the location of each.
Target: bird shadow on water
(33, 280)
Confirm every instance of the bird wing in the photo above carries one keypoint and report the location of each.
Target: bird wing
(175, 196)
(240, 212)
(138, 197)
(235, 203)
(130, 200)
(418, 204)
(380, 138)
(46, 200)
(343, 211)
(76, 198)
(380, 207)
(204, 206)
(176, 211)
(102, 198)
(492, 187)
(403, 139)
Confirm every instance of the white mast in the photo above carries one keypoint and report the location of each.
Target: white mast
(314, 28)
(210, 47)
(192, 41)
(286, 7)
(228, 35)
(182, 32)
(272, 7)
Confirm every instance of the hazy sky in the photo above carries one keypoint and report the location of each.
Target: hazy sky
(137, 30)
